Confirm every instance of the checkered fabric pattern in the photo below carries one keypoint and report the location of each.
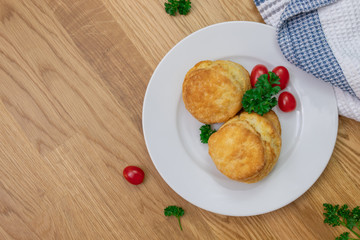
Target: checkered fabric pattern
(311, 36)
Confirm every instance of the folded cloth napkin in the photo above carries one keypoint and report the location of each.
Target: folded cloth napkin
(322, 37)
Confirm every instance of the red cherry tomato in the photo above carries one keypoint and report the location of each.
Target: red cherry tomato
(256, 72)
(286, 102)
(134, 175)
(283, 74)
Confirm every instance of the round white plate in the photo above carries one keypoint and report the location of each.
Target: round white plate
(172, 134)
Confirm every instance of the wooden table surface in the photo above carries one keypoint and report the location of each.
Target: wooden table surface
(73, 75)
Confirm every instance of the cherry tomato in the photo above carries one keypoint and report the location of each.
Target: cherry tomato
(134, 175)
(283, 74)
(286, 102)
(256, 72)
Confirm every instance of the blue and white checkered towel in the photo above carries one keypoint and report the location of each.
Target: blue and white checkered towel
(322, 37)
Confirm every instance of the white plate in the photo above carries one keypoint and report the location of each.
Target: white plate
(172, 134)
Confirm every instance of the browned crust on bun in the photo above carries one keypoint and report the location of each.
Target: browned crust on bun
(212, 91)
(247, 147)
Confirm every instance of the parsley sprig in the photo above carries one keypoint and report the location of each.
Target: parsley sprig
(174, 211)
(261, 98)
(172, 6)
(336, 216)
(205, 133)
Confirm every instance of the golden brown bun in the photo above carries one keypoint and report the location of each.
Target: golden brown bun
(273, 118)
(271, 139)
(247, 147)
(237, 151)
(213, 90)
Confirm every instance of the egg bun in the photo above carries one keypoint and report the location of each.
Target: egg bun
(247, 147)
(212, 91)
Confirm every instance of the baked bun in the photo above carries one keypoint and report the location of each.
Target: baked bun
(212, 90)
(247, 147)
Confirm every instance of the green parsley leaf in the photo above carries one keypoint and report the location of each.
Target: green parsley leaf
(356, 213)
(336, 216)
(331, 216)
(205, 133)
(343, 236)
(174, 211)
(171, 7)
(183, 6)
(261, 98)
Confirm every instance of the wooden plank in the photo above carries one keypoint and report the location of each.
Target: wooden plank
(27, 186)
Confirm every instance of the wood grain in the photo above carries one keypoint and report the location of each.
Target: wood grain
(73, 75)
